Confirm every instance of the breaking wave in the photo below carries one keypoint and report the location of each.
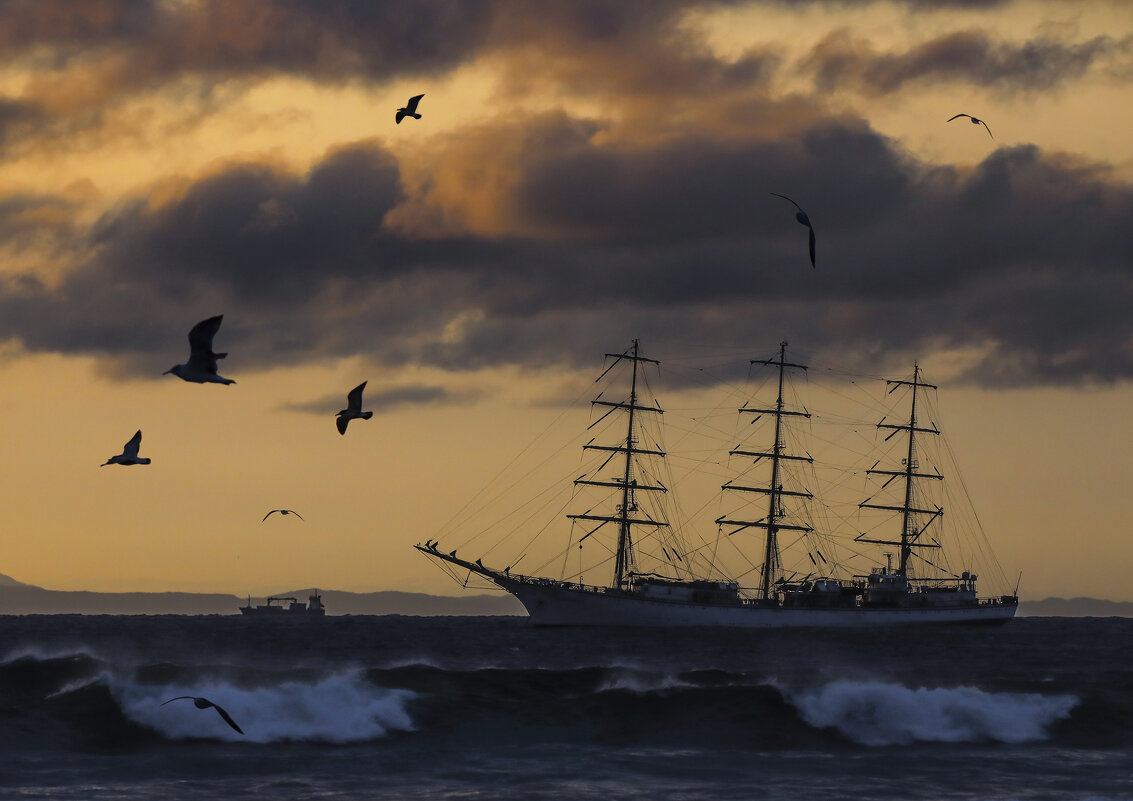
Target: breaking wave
(103, 705)
(637, 681)
(337, 709)
(878, 713)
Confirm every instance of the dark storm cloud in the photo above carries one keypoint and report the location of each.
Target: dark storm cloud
(305, 259)
(384, 400)
(123, 46)
(153, 42)
(328, 40)
(841, 61)
(915, 4)
(264, 234)
(87, 56)
(1025, 259)
(698, 188)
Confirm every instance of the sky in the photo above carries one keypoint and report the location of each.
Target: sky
(584, 173)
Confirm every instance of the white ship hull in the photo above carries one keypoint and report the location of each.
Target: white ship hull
(556, 604)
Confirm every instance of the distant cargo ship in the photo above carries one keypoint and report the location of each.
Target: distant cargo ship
(275, 606)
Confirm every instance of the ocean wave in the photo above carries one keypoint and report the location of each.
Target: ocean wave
(99, 702)
(27, 679)
(639, 681)
(880, 713)
(42, 654)
(337, 709)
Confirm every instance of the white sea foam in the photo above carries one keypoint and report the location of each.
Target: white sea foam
(639, 682)
(74, 686)
(413, 662)
(45, 653)
(338, 709)
(879, 713)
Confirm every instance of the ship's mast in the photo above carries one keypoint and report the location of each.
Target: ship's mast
(910, 532)
(775, 492)
(628, 483)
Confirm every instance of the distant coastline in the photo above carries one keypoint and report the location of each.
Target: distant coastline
(1075, 607)
(17, 598)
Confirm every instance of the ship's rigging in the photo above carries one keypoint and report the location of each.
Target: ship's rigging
(627, 512)
(626, 485)
(913, 533)
(773, 522)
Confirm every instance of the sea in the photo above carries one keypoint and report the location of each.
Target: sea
(391, 707)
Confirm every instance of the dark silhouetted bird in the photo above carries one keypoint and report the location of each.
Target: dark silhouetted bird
(803, 219)
(975, 121)
(129, 454)
(353, 409)
(282, 512)
(410, 109)
(201, 367)
(204, 703)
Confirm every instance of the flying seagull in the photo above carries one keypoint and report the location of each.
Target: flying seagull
(204, 703)
(353, 409)
(282, 512)
(975, 121)
(410, 109)
(201, 367)
(800, 215)
(129, 454)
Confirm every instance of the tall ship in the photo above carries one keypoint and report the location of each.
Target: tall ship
(659, 574)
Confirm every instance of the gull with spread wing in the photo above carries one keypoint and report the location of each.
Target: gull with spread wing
(201, 367)
(129, 454)
(282, 512)
(803, 219)
(409, 110)
(975, 121)
(353, 409)
(204, 703)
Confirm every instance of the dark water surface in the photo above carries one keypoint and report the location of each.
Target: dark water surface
(471, 708)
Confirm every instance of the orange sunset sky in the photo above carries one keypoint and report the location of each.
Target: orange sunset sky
(583, 173)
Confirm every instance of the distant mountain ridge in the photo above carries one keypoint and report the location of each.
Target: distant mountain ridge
(18, 598)
(1075, 607)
